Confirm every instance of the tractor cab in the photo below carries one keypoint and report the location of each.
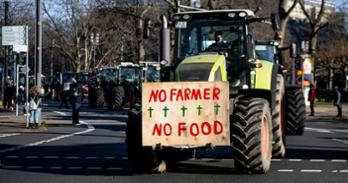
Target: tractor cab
(128, 73)
(150, 71)
(267, 50)
(218, 44)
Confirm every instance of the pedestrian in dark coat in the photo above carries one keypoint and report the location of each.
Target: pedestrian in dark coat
(337, 101)
(311, 98)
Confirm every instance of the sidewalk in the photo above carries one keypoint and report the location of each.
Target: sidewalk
(327, 112)
(10, 123)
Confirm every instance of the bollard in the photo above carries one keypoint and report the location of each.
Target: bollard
(75, 112)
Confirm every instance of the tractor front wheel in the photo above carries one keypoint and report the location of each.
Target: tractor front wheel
(252, 135)
(141, 159)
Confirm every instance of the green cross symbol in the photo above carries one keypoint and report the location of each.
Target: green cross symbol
(150, 111)
(165, 109)
(199, 110)
(217, 106)
(183, 110)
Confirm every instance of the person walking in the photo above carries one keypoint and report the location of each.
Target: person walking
(64, 97)
(76, 99)
(34, 107)
(337, 101)
(311, 97)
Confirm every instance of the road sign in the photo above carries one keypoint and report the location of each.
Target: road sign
(14, 35)
(20, 48)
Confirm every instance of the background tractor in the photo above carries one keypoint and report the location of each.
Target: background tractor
(295, 102)
(256, 88)
(115, 87)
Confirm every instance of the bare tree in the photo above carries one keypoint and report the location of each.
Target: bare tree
(316, 22)
(284, 14)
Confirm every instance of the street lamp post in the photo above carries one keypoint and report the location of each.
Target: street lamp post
(95, 42)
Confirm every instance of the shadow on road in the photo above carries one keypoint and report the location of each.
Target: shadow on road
(316, 152)
(84, 159)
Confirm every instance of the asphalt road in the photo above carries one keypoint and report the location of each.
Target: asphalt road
(95, 152)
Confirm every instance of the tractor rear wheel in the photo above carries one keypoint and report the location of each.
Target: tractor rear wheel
(296, 111)
(99, 98)
(118, 95)
(278, 120)
(252, 135)
(141, 159)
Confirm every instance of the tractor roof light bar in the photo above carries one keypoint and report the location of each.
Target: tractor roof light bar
(179, 6)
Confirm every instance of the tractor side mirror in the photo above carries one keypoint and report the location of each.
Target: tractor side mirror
(275, 19)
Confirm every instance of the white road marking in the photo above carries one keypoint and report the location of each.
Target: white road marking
(94, 168)
(114, 168)
(75, 168)
(60, 113)
(12, 167)
(317, 160)
(319, 130)
(90, 128)
(8, 135)
(31, 157)
(342, 131)
(285, 170)
(310, 171)
(34, 167)
(338, 160)
(343, 171)
(51, 157)
(276, 159)
(12, 156)
(294, 160)
(339, 140)
(334, 171)
(71, 157)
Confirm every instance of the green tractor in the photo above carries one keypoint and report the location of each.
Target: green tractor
(295, 102)
(98, 85)
(114, 87)
(256, 88)
(126, 88)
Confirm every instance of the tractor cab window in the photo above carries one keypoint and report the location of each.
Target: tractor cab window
(129, 74)
(265, 52)
(210, 36)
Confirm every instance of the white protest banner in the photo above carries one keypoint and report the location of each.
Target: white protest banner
(185, 113)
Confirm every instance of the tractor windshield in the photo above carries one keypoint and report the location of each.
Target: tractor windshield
(265, 52)
(108, 74)
(129, 74)
(209, 36)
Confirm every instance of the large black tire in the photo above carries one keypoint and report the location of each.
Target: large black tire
(99, 98)
(295, 112)
(278, 150)
(118, 96)
(252, 135)
(141, 159)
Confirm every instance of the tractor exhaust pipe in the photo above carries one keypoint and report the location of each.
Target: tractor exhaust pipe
(165, 42)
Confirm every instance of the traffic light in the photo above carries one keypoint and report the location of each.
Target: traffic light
(20, 58)
(298, 63)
